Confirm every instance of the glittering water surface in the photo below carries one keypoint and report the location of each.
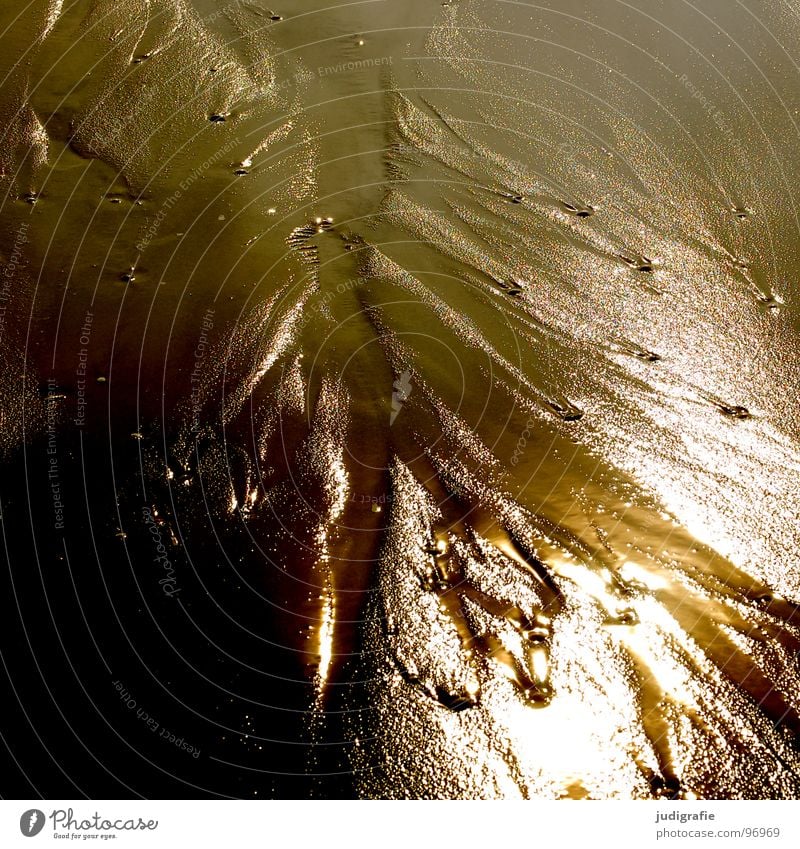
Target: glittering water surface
(449, 351)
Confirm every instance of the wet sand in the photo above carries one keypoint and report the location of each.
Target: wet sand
(400, 399)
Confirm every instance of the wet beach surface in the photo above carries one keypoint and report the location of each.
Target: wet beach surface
(400, 399)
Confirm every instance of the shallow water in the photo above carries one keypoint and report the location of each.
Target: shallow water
(418, 386)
